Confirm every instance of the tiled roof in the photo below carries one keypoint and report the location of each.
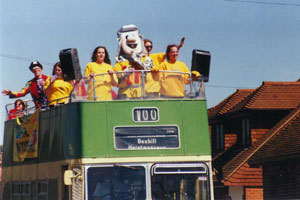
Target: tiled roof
(286, 143)
(275, 95)
(288, 125)
(270, 95)
(246, 176)
(230, 102)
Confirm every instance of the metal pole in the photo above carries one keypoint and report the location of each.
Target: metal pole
(143, 84)
(94, 89)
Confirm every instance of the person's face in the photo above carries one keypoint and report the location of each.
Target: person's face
(37, 71)
(173, 54)
(58, 71)
(100, 55)
(19, 106)
(148, 46)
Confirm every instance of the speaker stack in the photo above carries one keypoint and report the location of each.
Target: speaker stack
(70, 64)
(201, 63)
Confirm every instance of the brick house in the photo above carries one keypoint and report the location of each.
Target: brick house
(237, 124)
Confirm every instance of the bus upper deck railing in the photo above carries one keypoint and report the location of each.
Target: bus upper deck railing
(132, 85)
(142, 84)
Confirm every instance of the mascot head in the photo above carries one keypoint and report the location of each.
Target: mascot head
(130, 42)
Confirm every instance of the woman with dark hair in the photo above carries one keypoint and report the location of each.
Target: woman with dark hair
(103, 83)
(56, 89)
(106, 57)
(18, 110)
(172, 84)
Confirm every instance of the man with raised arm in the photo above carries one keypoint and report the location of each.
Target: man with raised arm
(34, 87)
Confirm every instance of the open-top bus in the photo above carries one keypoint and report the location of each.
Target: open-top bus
(143, 148)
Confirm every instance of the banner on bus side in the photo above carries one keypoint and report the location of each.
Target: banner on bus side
(26, 137)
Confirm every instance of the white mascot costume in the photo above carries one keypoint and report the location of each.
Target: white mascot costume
(131, 48)
(131, 55)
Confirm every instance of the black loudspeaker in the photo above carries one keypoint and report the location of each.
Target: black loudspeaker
(201, 63)
(70, 64)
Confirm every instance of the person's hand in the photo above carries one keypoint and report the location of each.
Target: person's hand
(92, 75)
(52, 78)
(41, 82)
(110, 72)
(154, 69)
(195, 75)
(6, 92)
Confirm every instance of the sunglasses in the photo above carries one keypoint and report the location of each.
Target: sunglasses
(148, 47)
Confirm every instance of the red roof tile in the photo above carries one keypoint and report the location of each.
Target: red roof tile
(270, 95)
(228, 103)
(275, 95)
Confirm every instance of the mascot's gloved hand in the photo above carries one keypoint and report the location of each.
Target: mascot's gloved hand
(195, 75)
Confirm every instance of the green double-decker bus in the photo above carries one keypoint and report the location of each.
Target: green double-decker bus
(134, 149)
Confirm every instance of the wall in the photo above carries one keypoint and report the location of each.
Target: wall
(254, 193)
(282, 179)
(236, 193)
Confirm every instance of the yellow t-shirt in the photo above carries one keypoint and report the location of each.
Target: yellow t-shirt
(103, 83)
(157, 58)
(58, 89)
(131, 86)
(172, 84)
(153, 84)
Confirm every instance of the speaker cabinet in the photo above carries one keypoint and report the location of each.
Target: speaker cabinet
(201, 63)
(70, 64)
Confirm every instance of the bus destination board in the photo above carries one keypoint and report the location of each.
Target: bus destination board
(146, 137)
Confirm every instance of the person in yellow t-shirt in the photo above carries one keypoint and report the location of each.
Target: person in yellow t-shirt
(156, 58)
(152, 83)
(56, 89)
(103, 83)
(172, 84)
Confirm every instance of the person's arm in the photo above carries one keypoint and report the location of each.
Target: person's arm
(6, 92)
(114, 79)
(87, 72)
(186, 77)
(22, 93)
(195, 75)
(181, 43)
(47, 85)
(118, 67)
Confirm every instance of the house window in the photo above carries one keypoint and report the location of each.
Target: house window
(219, 137)
(246, 137)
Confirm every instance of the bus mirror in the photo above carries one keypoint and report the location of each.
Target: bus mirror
(68, 177)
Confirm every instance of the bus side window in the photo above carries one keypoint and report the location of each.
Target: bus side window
(25, 189)
(6, 191)
(42, 190)
(33, 191)
(16, 191)
(53, 189)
